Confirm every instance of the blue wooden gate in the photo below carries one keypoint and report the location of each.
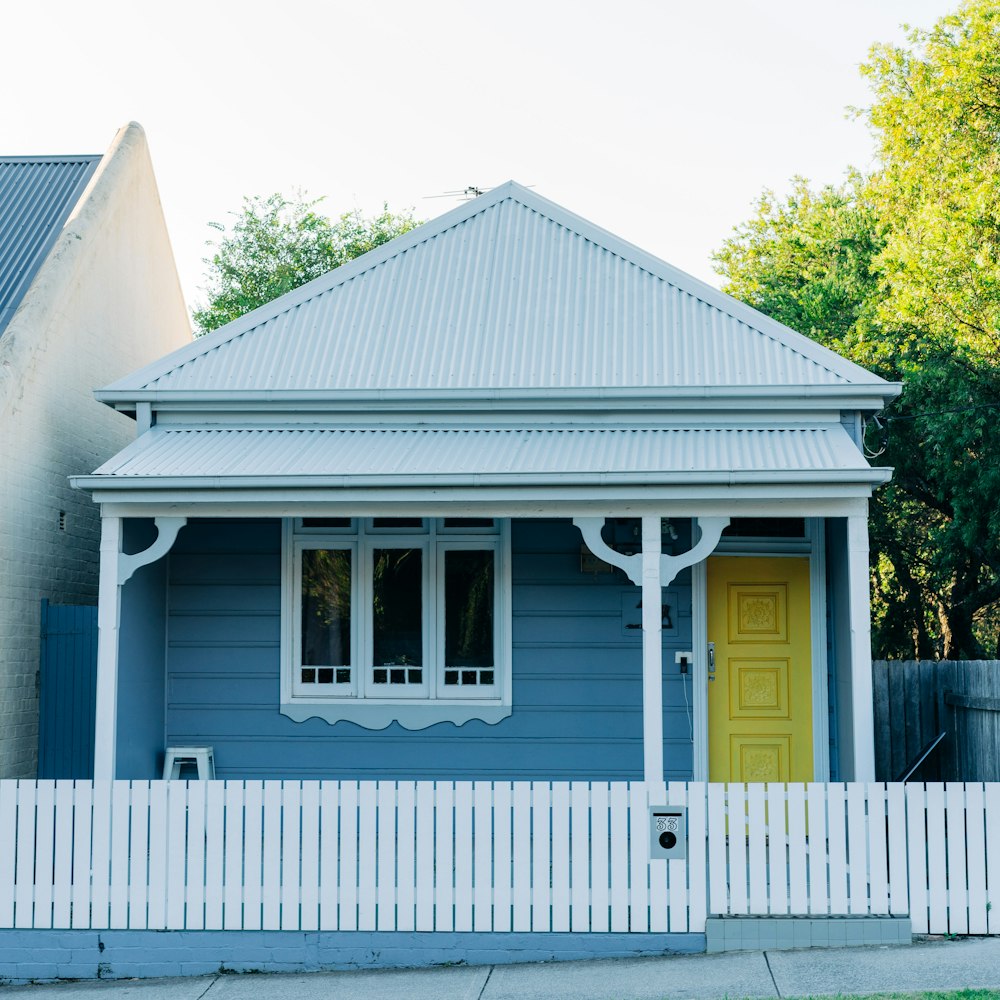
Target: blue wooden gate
(67, 688)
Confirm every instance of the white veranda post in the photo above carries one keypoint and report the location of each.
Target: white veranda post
(652, 653)
(108, 616)
(859, 599)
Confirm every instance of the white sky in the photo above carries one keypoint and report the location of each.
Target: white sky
(660, 121)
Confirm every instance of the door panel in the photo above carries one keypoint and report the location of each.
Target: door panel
(760, 700)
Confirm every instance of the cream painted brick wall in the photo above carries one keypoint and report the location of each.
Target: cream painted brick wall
(106, 301)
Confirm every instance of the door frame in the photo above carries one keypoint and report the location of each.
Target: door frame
(813, 546)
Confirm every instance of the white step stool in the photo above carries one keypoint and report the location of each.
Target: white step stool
(176, 757)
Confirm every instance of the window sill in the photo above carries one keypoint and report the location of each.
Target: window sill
(409, 714)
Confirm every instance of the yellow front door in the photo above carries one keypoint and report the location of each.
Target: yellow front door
(760, 700)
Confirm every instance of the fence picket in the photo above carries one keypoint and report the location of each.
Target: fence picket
(253, 828)
(857, 848)
(976, 843)
(101, 895)
(350, 876)
(385, 892)
(579, 856)
(958, 889)
(424, 920)
(718, 879)
(638, 822)
(819, 882)
(878, 870)
(44, 853)
(329, 854)
(482, 848)
(176, 849)
(798, 879)
(836, 810)
(618, 808)
(937, 889)
(83, 803)
(659, 892)
(444, 856)
(677, 871)
(541, 871)
(232, 865)
(24, 872)
(560, 856)
(63, 857)
(291, 855)
(309, 892)
(120, 823)
(600, 898)
(194, 917)
(138, 880)
(463, 855)
(916, 853)
(757, 841)
(367, 818)
(8, 858)
(215, 832)
(991, 796)
(739, 899)
(899, 896)
(697, 857)
(521, 860)
(406, 839)
(156, 910)
(271, 855)
(501, 856)
(777, 847)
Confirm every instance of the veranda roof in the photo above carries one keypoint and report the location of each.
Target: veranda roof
(336, 457)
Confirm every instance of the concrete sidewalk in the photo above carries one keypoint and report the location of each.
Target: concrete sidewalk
(926, 965)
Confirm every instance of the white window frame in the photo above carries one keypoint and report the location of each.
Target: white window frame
(433, 702)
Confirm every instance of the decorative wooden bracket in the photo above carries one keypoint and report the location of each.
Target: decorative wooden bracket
(166, 528)
(711, 531)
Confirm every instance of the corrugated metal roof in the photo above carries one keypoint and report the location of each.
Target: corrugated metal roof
(439, 456)
(37, 195)
(508, 292)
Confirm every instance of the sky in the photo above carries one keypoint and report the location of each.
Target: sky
(660, 121)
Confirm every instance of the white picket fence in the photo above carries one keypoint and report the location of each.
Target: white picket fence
(489, 856)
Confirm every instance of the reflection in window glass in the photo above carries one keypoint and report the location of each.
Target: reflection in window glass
(468, 612)
(326, 608)
(397, 609)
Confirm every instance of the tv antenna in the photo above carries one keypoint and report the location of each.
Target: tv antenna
(466, 193)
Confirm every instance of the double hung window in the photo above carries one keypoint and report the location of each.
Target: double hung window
(386, 618)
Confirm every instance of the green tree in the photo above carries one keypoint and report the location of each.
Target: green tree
(277, 244)
(900, 270)
(936, 122)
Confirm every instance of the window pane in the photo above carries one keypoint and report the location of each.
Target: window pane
(397, 607)
(460, 523)
(468, 610)
(397, 522)
(336, 523)
(326, 607)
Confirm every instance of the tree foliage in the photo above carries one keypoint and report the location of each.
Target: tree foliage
(899, 271)
(277, 244)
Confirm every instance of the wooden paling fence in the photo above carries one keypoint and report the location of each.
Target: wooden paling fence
(489, 856)
(917, 699)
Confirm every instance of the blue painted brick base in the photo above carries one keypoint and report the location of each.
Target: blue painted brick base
(38, 955)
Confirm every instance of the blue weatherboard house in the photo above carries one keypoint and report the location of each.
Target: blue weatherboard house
(506, 498)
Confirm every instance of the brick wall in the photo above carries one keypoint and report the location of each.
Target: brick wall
(105, 302)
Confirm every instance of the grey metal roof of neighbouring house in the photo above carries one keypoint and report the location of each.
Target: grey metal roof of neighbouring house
(244, 457)
(37, 194)
(507, 295)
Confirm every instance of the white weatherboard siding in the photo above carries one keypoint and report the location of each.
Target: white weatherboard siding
(105, 300)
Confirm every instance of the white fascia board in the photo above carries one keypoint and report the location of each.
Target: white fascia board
(582, 499)
(721, 504)
(868, 398)
(524, 482)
